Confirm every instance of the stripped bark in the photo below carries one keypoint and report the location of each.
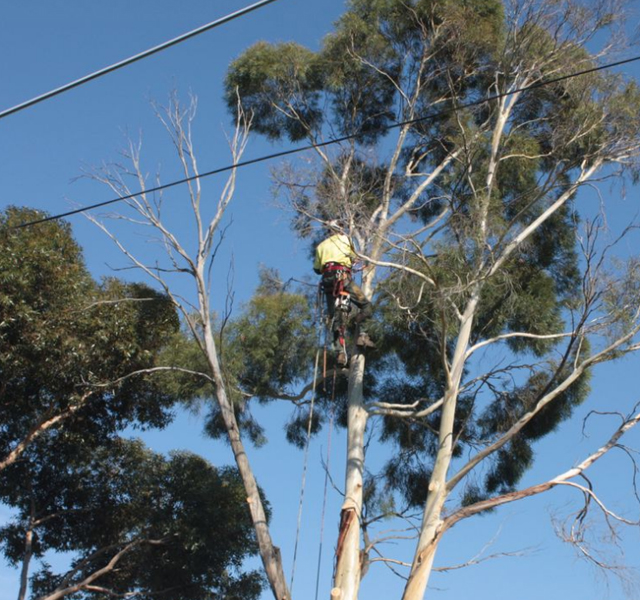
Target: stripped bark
(348, 556)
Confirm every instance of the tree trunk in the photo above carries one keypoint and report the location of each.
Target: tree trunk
(427, 545)
(348, 565)
(270, 554)
(431, 529)
(28, 554)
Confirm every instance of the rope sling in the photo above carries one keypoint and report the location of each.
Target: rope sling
(342, 301)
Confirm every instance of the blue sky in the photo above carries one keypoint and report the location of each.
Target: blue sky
(46, 43)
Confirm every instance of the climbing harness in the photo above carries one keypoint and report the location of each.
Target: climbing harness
(342, 307)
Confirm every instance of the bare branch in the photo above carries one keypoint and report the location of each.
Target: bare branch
(44, 424)
(562, 479)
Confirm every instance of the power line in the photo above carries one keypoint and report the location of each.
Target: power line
(330, 142)
(132, 59)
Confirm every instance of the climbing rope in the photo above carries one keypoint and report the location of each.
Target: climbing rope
(326, 481)
(340, 314)
(306, 447)
(304, 469)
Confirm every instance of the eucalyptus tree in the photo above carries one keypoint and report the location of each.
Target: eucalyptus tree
(464, 136)
(130, 521)
(191, 256)
(67, 341)
(75, 363)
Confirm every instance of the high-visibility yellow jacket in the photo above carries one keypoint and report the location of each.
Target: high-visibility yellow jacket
(336, 249)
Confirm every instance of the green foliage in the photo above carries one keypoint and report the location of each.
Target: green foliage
(188, 521)
(408, 475)
(63, 338)
(283, 85)
(390, 61)
(268, 78)
(297, 428)
(276, 341)
(70, 349)
(512, 461)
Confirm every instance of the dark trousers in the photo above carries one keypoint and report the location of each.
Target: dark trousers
(331, 285)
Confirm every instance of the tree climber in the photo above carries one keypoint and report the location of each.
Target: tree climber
(333, 260)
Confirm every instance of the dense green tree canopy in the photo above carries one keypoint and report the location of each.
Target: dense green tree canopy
(65, 338)
(181, 525)
(77, 367)
(388, 63)
(464, 140)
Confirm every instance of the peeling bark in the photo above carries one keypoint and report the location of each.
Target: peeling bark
(348, 564)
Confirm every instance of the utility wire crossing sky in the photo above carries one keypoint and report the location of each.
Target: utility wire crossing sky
(330, 142)
(135, 58)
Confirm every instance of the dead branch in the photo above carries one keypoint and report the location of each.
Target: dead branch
(562, 479)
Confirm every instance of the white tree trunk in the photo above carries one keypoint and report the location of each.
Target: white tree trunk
(432, 519)
(26, 558)
(269, 553)
(348, 557)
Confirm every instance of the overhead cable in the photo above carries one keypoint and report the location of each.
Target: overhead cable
(283, 153)
(132, 59)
